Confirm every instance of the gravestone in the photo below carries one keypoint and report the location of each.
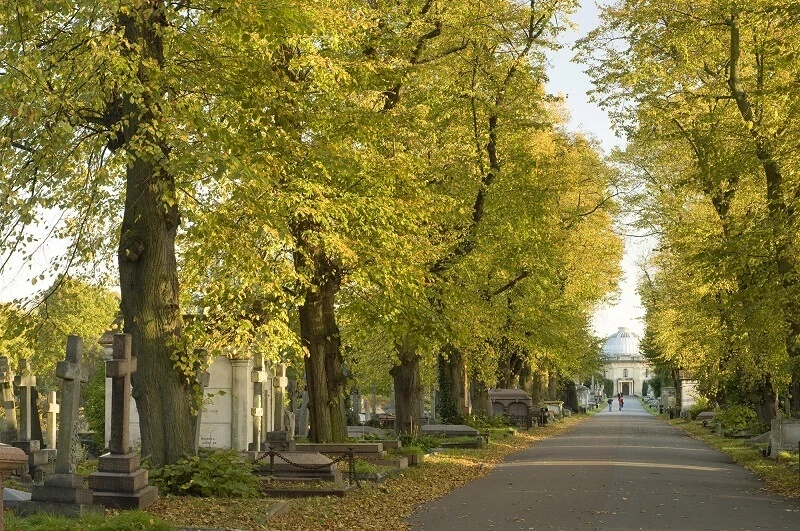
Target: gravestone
(301, 417)
(26, 382)
(241, 402)
(63, 493)
(11, 432)
(450, 430)
(120, 482)
(52, 420)
(279, 383)
(262, 406)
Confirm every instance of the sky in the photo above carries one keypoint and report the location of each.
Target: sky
(565, 77)
(568, 78)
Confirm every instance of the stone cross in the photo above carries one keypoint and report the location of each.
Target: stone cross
(71, 372)
(7, 389)
(26, 381)
(52, 419)
(279, 383)
(259, 377)
(119, 370)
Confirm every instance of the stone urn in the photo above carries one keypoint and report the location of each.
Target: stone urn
(11, 459)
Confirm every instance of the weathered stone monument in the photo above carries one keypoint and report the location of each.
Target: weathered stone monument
(10, 460)
(63, 493)
(120, 482)
(301, 417)
(26, 381)
(52, 424)
(279, 383)
(11, 432)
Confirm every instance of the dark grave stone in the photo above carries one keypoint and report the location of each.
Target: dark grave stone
(119, 482)
(63, 493)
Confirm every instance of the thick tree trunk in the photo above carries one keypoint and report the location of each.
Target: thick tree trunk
(552, 385)
(147, 265)
(407, 391)
(452, 385)
(479, 396)
(319, 334)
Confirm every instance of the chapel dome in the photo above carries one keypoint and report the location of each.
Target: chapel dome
(623, 344)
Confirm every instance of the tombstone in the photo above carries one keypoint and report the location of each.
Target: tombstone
(119, 482)
(689, 393)
(11, 433)
(26, 382)
(301, 419)
(241, 399)
(355, 400)
(280, 441)
(512, 402)
(52, 420)
(215, 423)
(259, 376)
(10, 461)
(668, 397)
(279, 383)
(63, 493)
(450, 430)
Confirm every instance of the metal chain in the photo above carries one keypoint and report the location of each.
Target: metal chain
(349, 456)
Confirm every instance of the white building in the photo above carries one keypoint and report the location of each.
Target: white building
(624, 364)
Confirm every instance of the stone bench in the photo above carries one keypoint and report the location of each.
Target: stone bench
(365, 448)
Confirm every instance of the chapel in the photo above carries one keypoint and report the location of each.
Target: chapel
(624, 364)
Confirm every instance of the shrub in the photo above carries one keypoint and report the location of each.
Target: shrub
(220, 473)
(738, 418)
(482, 422)
(410, 450)
(422, 440)
(699, 406)
(94, 408)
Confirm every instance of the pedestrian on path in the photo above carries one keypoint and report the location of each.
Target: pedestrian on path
(610, 401)
(621, 402)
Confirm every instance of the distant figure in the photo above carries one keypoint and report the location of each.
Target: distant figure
(610, 401)
(621, 403)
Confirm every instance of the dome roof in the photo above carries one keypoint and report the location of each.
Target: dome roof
(624, 343)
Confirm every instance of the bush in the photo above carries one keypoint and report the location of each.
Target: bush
(698, 407)
(424, 441)
(219, 473)
(410, 450)
(482, 422)
(738, 418)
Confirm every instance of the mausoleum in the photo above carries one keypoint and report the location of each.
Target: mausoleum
(624, 364)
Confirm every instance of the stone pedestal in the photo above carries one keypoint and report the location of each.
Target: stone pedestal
(61, 495)
(120, 483)
(11, 459)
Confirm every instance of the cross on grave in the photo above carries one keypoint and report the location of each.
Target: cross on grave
(71, 373)
(52, 420)
(26, 381)
(10, 404)
(119, 370)
(259, 378)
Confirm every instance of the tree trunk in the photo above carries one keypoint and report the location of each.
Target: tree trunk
(552, 385)
(147, 265)
(452, 385)
(479, 396)
(319, 334)
(408, 390)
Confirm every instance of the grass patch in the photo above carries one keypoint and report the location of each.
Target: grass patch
(781, 477)
(125, 521)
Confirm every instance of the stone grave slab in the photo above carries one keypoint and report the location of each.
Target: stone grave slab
(450, 430)
(360, 431)
(301, 466)
(784, 435)
(12, 497)
(371, 448)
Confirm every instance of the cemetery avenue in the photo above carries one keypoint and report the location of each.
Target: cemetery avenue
(616, 471)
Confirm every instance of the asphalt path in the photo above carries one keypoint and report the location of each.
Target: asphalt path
(618, 470)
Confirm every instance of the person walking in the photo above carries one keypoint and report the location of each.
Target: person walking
(610, 401)
(621, 402)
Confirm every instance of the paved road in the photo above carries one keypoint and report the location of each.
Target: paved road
(618, 470)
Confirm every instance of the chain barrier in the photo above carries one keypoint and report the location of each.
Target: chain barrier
(349, 456)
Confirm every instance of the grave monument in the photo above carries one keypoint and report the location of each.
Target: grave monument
(63, 493)
(11, 432)
(120, 482)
